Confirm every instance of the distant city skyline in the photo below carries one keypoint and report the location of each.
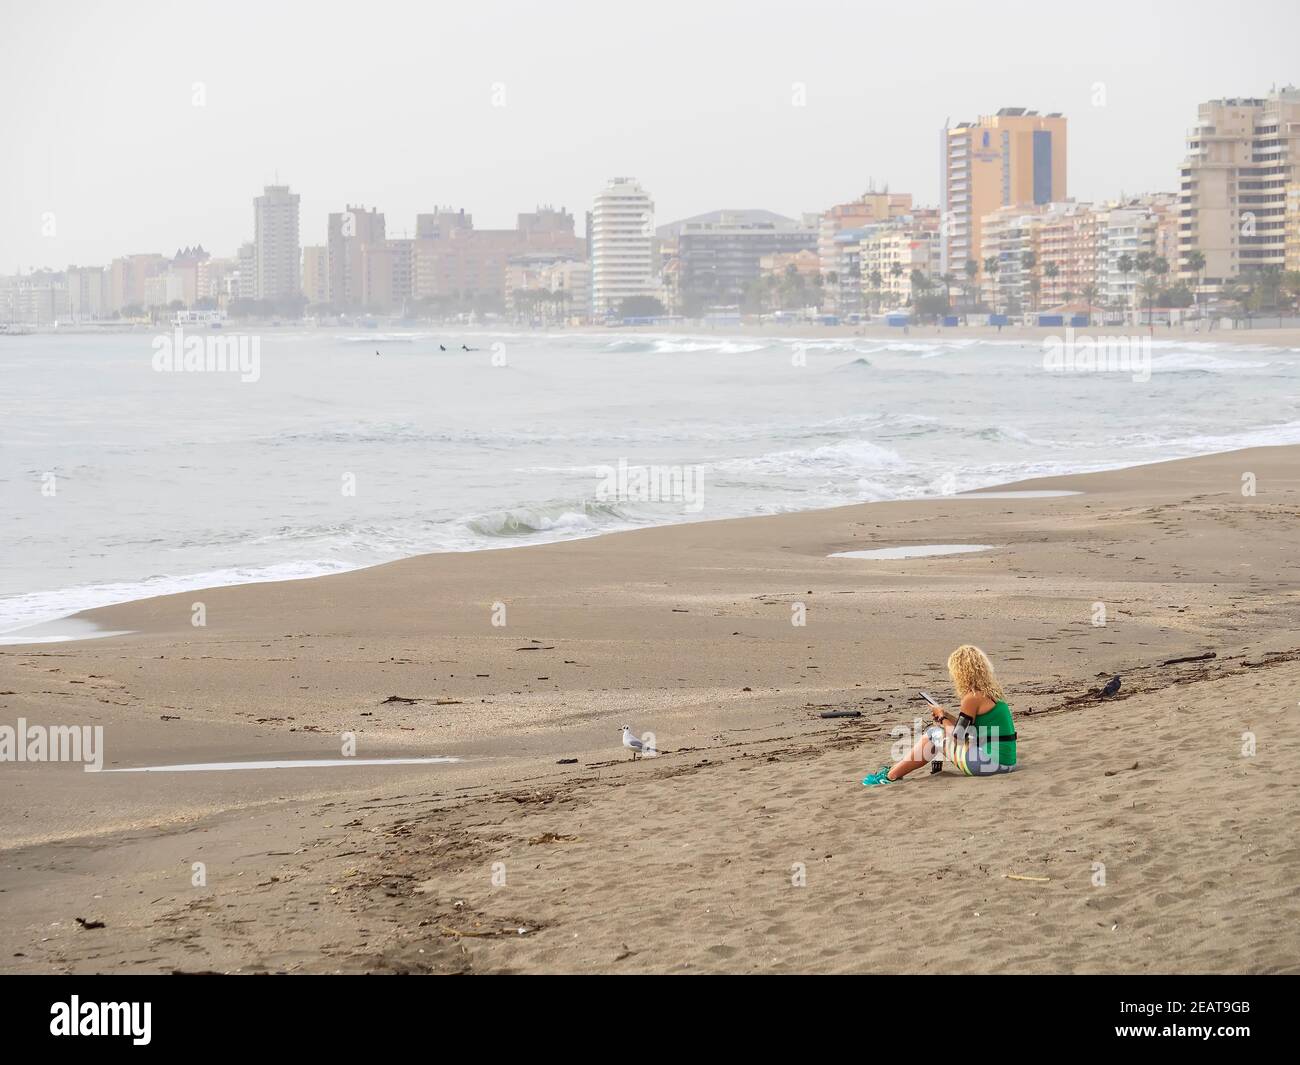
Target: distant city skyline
(136, 131)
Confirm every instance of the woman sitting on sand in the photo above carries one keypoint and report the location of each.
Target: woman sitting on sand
(988, 746)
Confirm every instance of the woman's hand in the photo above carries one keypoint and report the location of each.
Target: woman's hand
(937, 713)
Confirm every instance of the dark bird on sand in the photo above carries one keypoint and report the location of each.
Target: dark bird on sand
(441, 348)
(1112, 686)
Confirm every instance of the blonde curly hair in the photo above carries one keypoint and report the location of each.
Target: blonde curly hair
(971, 671)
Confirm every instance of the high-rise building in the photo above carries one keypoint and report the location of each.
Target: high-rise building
(316, 274)
(350, 232)
(126, 278)
(87, 292)
(1241, 156)
(1292, 217)
(247, 257)
(1015, 158)
(386, 275)
(183, 275)
(622, 246)
(275, 238)
(218, 282)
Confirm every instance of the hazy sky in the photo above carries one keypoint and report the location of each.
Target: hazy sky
(392, 105)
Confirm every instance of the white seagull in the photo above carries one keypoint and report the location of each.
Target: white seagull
(635, 745)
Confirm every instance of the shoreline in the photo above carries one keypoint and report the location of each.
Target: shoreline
(1261, 335)
(84, 615)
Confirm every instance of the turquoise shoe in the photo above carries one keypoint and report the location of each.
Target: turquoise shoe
(880, 776)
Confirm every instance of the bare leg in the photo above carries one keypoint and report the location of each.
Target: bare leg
(922, 755)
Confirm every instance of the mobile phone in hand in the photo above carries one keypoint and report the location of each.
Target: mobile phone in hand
(936, 766)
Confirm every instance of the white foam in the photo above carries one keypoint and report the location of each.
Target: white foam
(845, 457)
(63, 630)
(19, 613)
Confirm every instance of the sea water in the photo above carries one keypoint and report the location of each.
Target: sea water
(354, 447)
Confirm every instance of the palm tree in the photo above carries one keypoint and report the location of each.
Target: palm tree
(1052, 271)
(1196, 264)
(1150, 287)
(972, 269)
(1270, 289)
(895, 272)
(1291, 284)
(991, 267)
(1028, 260)
(1125, 267)
(1160, 268)
(948, 281)
(1090, 294)
(1239, 292)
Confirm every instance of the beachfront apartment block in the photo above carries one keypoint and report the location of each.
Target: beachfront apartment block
(1058, 253)
(1067, 253)
(1243, 155)
(218, 281)
(316, 274)
(348, 233)
(88, 295)
(246, 273)
(622, 246)
(1139, 225)
(891, 253)
(1292, 253)
(126, 277)
(840, 232)
(1014, 158)
(807, 264)
(387, 273)
(548, 287)
(717, 257)
(457, 266)
(278, 251)
(1009, 248)
(39, 298)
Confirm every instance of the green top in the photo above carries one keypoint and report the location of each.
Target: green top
(997, 722)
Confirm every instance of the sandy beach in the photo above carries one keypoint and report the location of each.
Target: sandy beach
(1138, 834)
